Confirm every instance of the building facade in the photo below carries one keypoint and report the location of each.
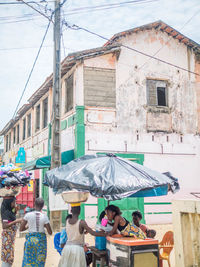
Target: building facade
(116, 99)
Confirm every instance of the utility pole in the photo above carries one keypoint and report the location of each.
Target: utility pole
(56, 108)
(55, 216)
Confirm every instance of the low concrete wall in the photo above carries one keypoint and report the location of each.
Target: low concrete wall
(186, 225)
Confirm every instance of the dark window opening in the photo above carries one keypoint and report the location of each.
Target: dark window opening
(45, 112)
(14, 135)
(69, 93)
(29, 125)
(6, 143)
(9, 141)
(24, 128)
(161, 96)
(18, 134)
(37, 125)
(157, 93)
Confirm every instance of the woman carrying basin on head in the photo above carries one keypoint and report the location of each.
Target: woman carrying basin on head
(73, 251)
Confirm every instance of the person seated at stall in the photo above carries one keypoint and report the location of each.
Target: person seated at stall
(120, 223)
(137, 217)
(73, 251)
(103, 219)
(151, 233)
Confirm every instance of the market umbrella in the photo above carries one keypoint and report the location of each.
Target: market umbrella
(110, 177)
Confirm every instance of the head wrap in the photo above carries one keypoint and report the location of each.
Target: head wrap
(75, 204)
(6, 210)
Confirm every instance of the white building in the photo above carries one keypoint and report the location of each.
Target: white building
(116, 99)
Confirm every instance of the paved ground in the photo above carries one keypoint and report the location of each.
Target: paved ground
(53, 256)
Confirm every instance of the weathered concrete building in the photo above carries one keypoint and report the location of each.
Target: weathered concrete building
(117, 99)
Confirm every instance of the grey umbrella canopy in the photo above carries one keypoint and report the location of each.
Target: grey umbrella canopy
(110, 177)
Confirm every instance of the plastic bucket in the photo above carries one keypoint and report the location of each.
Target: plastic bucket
(100, 242)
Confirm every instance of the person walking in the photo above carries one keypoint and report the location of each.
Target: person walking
(9, 225)
(35, 246)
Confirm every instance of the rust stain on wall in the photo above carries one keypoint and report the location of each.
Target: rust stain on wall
(112, 60)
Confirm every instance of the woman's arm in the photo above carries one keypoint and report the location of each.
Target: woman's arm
(48, 227)
(90, 231)
(6, 225)
(115, 226)
(23, 226)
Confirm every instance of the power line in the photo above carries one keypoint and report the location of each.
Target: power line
(75, 27)
(18, 3)
(22, 48)
(106, 6)
(62, 4)
(14, 3)
(42, 14)
(188, 21)
(83, 9)
(16, 21)
(35, 61)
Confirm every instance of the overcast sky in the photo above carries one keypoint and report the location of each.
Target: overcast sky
(22, 30)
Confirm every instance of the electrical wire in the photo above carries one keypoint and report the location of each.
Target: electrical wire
(188, 21)
(30, 74)
(18, 3)
(41, 13)
(85, 9)
(106, 7)
(14, 3)
(22, 48)
(76, 27)
(62, 4)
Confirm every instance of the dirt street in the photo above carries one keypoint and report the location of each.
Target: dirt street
(53, 256)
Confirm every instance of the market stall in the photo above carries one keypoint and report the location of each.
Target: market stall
(12, 179)
(127, 251)
(113, 178)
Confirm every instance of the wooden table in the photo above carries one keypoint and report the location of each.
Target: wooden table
(98, 255)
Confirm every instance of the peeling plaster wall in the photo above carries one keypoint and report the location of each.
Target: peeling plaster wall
(78, 86)
(106, 61)
(132, 70)
(171, 144)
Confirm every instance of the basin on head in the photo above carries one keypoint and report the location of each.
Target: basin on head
(75, 196)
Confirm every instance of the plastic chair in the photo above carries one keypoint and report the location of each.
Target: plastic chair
(57, 243)
(166, 245)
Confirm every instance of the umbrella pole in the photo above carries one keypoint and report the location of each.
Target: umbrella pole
(108, 202)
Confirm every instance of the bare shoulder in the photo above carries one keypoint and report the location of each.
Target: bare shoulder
(83, 222)
(118, 218)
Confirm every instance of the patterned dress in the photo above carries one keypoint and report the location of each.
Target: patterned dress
(134, 231)
(35, 250)
(8, 241)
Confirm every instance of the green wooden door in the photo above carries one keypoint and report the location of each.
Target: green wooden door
(126, 205)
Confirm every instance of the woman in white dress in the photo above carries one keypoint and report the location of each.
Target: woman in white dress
(73, 254)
